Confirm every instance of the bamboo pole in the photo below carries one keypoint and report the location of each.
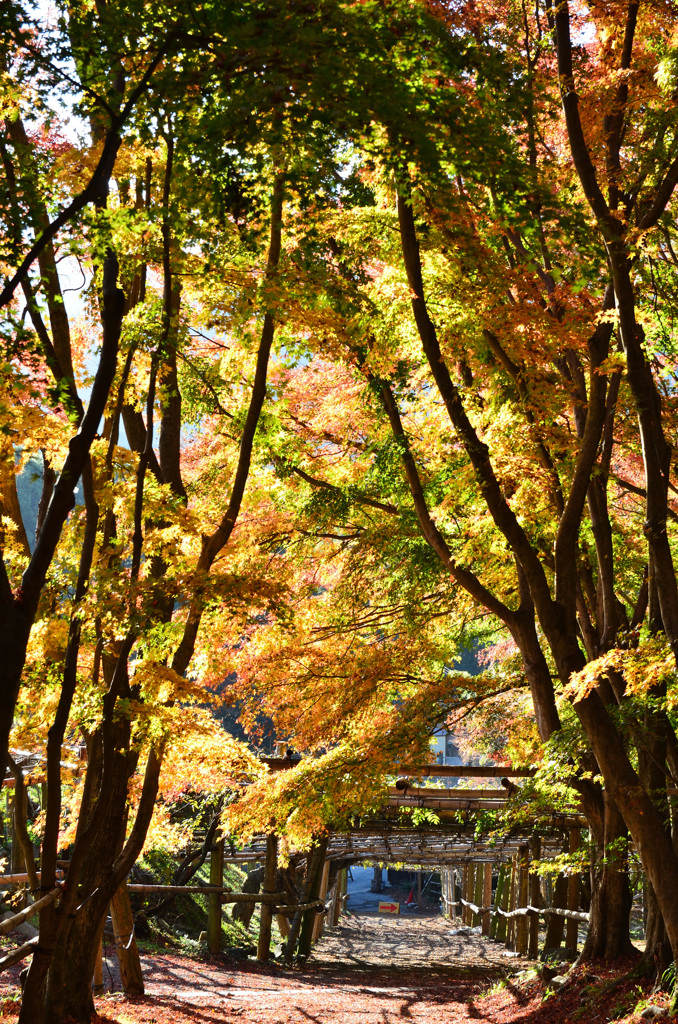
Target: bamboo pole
(20, 953)
(522, 898)
(319, 918)
(487, 898)
(307, 927)
(478, 893)
(535, 901)
(344, 891)
(225, 892)
(271, 870)
(11, 923)
(98, 979)
(283, 925)
(511, 924)
(214, 902)
(125, 943)
(573, 887)
(22, 876)
(467, 893)
(315, 858)
(498, 893)
(504, 903)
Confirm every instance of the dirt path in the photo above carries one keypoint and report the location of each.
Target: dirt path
(409, 942)
(370, 970)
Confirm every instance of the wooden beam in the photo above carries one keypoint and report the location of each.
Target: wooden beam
(435, 771)
(463, 771)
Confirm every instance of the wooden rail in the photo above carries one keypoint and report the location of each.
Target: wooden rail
(17, 919)
(20, 953)
(575, 915)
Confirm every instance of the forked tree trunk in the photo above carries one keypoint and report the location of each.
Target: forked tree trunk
(60, 986)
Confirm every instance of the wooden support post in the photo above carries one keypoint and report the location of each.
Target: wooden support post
(283, 925)
(302, 922)
(513, 887)
(213, 900)
(535, 901)
(505, 903)
(344, 890)
(419, 890)
(17, 862)
(478, 893)
(266, 919)
(98, 979)
(336, 902)
(126, 944)
(320, 918)
(487, 898)
(467, 891)
(498, 896)
(573, 888)
(522, 900)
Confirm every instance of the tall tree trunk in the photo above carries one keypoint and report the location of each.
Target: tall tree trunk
(608, 933)
(658, 955)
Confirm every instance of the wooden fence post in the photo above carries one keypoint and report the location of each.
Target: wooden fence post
(522, 900)
(302, 922)
(336, 901)
(320, 918)
(214, 899)
(487, 899)
(266, 918)
(573, 887)
(535, 901)
(513, 886)
(498, 898)
(125, 943)
(477, 896)
(98, 979)
(466, 893)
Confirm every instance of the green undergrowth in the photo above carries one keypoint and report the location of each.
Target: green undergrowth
(182, 924)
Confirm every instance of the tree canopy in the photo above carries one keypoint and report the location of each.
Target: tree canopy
(352, 327)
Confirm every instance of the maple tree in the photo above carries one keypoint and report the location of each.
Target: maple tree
(187, 275)
(397, 304)
(503, 348)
